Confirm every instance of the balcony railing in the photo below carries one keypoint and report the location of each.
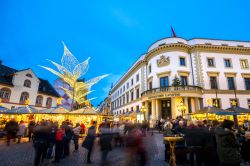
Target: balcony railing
(172, 89)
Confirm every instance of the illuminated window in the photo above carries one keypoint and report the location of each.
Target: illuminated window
(5, 94)
(39, 100)
(24, 97)
(248, 103)
(49, 102)
(244, 64)
(234, 102)
(27, 83)
(216, 103)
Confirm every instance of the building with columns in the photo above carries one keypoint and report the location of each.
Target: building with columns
(207, 69)
(17, 86)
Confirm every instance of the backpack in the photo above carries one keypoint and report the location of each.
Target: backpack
(59, 135)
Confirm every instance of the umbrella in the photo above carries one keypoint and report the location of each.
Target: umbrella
(213, 110)
(55, 110)
(238, 110)
(3, 109)
(22, 110)
(85, 110)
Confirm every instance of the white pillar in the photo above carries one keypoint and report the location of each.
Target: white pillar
(157, 109)
(196, 103)
(186, 104)
(153, 110)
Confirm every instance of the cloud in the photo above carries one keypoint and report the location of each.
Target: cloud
(124, 18)
(111, 79)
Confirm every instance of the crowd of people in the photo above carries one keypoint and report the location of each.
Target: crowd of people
(208, 142)
(51, 138)
(205, 142)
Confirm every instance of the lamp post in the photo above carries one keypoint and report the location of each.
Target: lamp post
(181, 107)
(209, 102)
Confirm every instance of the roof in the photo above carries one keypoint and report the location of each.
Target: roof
(46, 88)
(6, 75)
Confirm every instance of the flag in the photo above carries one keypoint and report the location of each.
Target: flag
(173, 32)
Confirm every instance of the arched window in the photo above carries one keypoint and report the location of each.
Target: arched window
(49, 102)
(39, 100)
(29, 75)
(5, 94)
(27, 83)
(24, 97)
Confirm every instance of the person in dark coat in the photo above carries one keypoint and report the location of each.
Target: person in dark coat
(88, 143)
(105, 141)
(31, 126)
(11, 129)
(67, 137)
(40, 142)
(52, 139)
(227, 146)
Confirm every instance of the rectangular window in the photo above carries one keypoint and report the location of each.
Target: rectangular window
(150, 85)
(227, 63)
(234, 102)
(149, 69)
(213, 82)
(182, 61)
(127, 85)
(137, 108)
(184, 80)
(230, 83)
(132, 109)
(216, 103)
(132, 96)
(248, 103)
(127, 97)
(247, 83)
(137, 93)
(132, 82)
(210, 62)
(244, 64)
(123, 100)
(123, 88)
(137, 77)
(164, 81)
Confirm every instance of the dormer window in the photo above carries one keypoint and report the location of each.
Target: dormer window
(27, 83)
(29, 75)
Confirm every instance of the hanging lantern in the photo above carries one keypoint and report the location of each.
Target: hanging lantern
(27, 102)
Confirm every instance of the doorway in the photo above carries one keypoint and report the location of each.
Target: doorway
(166, 109)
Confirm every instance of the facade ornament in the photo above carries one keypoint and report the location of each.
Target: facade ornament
(163, 61)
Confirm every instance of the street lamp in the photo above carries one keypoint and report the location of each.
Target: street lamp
(181, 107)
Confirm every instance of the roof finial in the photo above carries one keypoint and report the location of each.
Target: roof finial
(173, 34)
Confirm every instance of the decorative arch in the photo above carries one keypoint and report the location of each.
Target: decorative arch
(5, 94)
(24, 97)
(49, 102)
(39, 100)
(27, 83)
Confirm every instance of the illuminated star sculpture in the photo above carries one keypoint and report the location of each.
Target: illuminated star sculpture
(70, 71)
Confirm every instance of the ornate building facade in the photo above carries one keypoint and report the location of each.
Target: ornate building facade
(17, 86)
(207, 69)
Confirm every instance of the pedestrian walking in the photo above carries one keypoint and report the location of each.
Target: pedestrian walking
(21, 132)
(52, 139)
(11, 129)
(227, 146)
(76, 133)
(88, 143)
(59, 144)
(67, 137)
(31, 126)
(40, 142)
(105, 141)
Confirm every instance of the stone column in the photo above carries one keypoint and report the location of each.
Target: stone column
(157, 109)
(196, 104)
(173, 111)
(186, 104)
(146, 113)
(153, 110)
(193, 105)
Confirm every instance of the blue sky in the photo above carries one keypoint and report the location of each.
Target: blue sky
(114, 33)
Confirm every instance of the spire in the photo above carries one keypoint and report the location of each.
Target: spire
(173, 34)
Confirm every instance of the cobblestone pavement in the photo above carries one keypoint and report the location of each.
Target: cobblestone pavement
(23, 154)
